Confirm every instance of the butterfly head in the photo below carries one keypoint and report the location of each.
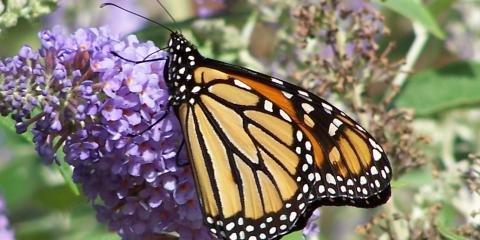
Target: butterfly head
(183, 58)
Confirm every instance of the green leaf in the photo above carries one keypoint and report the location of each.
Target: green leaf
(445, 220)
(30, 10)
(66, 172)
(437, 7)
(436, 90)
(398, 184)
(19, 180)
(294, 236)
(413, 179)
(414, 11)
(50, 197)
(9, 125)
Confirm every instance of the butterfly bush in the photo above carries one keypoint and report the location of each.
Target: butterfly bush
(6, 233)
(76, 96)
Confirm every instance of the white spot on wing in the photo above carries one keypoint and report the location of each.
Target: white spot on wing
(298, 150)
(303, 93)
(376, 155)
(285, 116)
(182, 70)
(309, 158)
(304, 168)
(287, 95)
(182, 88)
(337, 122)
(241, 84)
(277, 81)
(268, 106)
(196, 89)
(363, 180)
(349, 182)
(230, 226)
(332, 129)
(299, 136)
(293, 216)
(308, 145)
(307, 107)
(305, 188)
(360, 128)
(326, 106)
(330, 179)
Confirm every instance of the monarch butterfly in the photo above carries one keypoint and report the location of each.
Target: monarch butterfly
(266, 153)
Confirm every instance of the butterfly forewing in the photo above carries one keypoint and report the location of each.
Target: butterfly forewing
(266, 153)
(351, 168)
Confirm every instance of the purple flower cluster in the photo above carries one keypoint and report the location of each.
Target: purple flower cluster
(312, 230)
(6, 233)
(75, 94)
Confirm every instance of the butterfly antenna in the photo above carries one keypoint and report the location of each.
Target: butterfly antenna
(169, 15)
(136, 14)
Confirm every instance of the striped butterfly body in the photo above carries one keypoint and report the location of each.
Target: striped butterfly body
(266, 153)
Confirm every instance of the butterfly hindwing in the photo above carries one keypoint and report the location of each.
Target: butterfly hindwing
(354, 169)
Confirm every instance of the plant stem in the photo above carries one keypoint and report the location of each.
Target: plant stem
(421, 39)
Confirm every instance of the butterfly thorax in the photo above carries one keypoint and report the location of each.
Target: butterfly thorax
(183, 57)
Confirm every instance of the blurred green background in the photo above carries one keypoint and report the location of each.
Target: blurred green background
(436, 186)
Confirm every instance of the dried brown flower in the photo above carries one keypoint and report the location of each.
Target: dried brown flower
(472, 175)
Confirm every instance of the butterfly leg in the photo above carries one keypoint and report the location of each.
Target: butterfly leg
(137, 62)
(152, 125)
(179, 162)
(152, 53)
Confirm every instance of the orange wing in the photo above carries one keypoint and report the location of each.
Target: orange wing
(351, 168)
(265, 154)
(250, 180)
